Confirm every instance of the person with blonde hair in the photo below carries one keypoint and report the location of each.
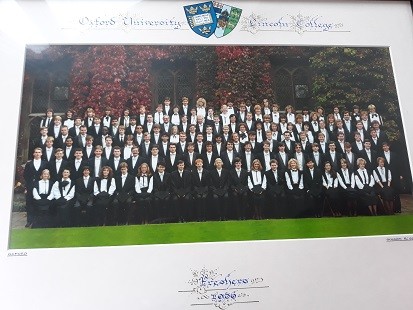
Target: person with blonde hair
(295, 189)
(257, 184)
(364, 184)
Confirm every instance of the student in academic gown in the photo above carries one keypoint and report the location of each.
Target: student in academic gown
(200, 189)
(346, 181)
(275, 192)
(295, 190)
(383, 177)
(32, 172)
(143, 188)
(161, 194)
(83, 207)
(219, 189)
(257, 184)
(42, 201)
(125, 189)
(63, 192)
(238, 180)
(391, 161)
(181, 187)
(364, 181)
(103, 190)
(313, 184)
(331, 189)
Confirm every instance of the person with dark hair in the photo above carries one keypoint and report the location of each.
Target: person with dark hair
(219, 189)
(103, 190)
(391, 161)
(125, 188)
(313, 184)
(383, 177)
(83, 207)
(161, 194)
(275, 192)
(238, 180)
(346, 181)
(63, 192)
(181, 187)
(331, 189)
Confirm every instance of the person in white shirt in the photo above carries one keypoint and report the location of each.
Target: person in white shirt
(382, 176)
(103, 190)
(295, 190)
(43, 199)
(63, 192)
(347, 183)
(331, 189)
(257, 184)
(364, 184)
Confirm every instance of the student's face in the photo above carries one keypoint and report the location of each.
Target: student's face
(49, 143)
(45, 175)
(49, 114)
(238, 165)
(256, 166)
(266, 147)
(218, 164)
(86, 172)
(181, 166)
(43, 132)
(327, 166)
(274, 166)
(315, 148)
(343, 165)
(386, 148)
(230, 146)
(144, 169)
(83, 131)
(310, 165)
(381, 163)
(190, 148)
(98, 152)
(108, 142)
(367, 145)
(172, 149)
(161, 169)
(138, 129)
(321, 138)
(135, 151)
(362, 165)
(121, 131)
(116, 153)
(247, 147)
(66, 174)
(124, 170)
(154, 151)
(89, 142)
(293, 165)
(199, 165)
(105, 172)
(59, 155)
(79, 154)
(69, 142)
(78, 121)
(332, 147)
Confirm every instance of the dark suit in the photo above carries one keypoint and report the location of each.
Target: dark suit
(76, 173)
(209, 165)
(275, 194)
(54, 173)
(370, 164)
(111, 163)
(133, 169)
(91, 164)
(31, 175)
(84, 202)
(334, 160)
(219, 191)
(319, 162)
(181, 194)
(200, 190)
(161, 195)
(190, 165)
(171, 166)
(123, 198)
(239, 191)
(314, 189)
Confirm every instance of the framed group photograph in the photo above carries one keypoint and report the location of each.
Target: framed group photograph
(206, 154)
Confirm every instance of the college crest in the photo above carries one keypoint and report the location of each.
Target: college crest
(212, 17)
(227, 18)
(201, 18)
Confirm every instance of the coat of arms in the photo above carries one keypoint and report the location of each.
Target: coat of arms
(212, 17)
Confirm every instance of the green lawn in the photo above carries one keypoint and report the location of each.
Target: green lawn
(210, 231)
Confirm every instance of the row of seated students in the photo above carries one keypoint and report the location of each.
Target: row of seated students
(118, 198)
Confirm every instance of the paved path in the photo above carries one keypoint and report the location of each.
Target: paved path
(18, 219)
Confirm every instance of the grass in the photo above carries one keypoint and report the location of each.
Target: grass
(210, 232)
